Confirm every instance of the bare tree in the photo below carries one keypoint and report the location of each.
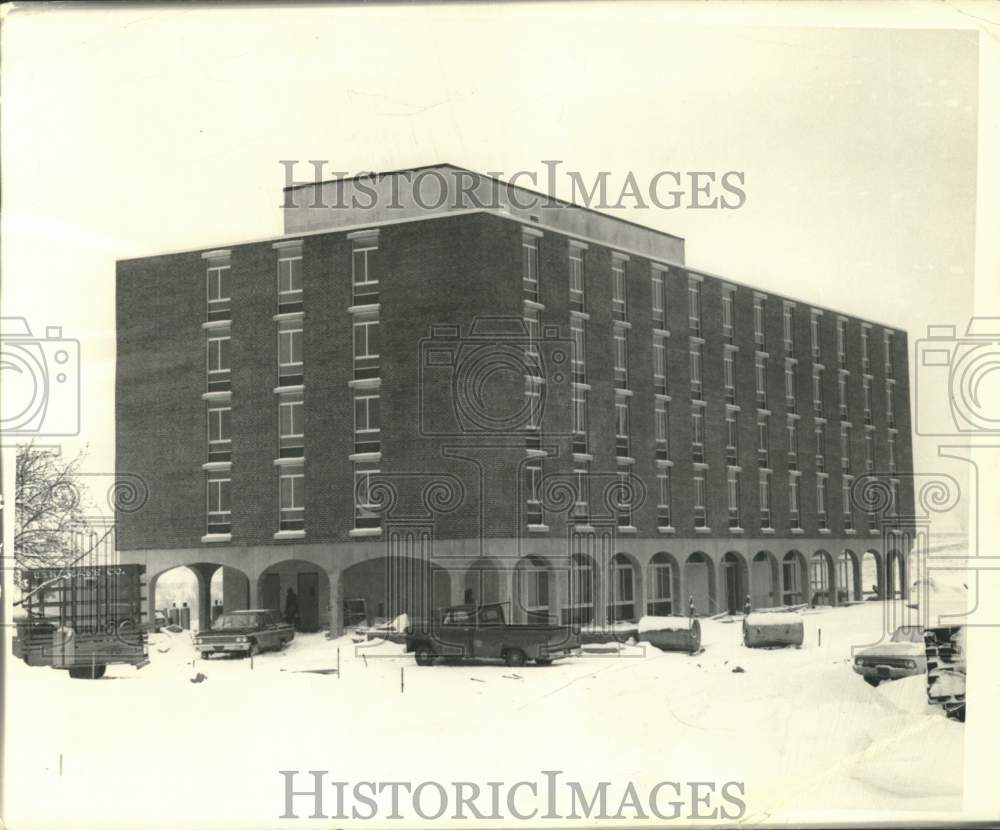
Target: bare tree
(48, 510)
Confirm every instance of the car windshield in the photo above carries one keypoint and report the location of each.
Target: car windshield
(228, 621)
(908, 634)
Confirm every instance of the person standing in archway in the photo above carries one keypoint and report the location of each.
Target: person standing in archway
(292, 609)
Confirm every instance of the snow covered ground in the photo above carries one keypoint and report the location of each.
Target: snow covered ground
(810, 740)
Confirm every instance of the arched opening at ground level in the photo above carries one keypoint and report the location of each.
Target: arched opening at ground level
(699, 580)
(624, 588)
(848, 577)
(872, 576)
(387, 586)
(185, 594)
(534, 583)
(481, 583)
(736, 581)
(793, 575)
(663, 578)
(583, 590)
(765, 580)
(821, 579)
(299, 590)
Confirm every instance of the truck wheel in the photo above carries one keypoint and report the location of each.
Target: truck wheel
(543, 661)
(85, 672)
(254, 649)
(424, 655)
(872, 681)
(514, 657)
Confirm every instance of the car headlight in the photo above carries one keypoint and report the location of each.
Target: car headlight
(859, 661)
(910, 664)
(241, 639)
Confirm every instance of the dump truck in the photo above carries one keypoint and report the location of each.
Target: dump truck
(81, 619)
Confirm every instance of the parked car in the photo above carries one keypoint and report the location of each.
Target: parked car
(481, 632)
(244, 633)
(902, 656)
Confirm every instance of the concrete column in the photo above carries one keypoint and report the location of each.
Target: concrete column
(336, 603)
(235, 590)
(505, 588)
(834, 582)
(203, 571)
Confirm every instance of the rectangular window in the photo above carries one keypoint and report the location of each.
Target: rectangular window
(764, 497)
(219, 509)
(866, 349)
(291, 426)
(364, 270)
(622, 428)
(532, 490)
(696, 380)
(621, 358)
(890, 404)
(291, 501)
(663, 498)
(694, 307)
(792, 443)
(842, 395)
(533, 404)
(845, 497)
(531, 326)
(619, 288)
(700, 502)
(623, 503)
(219, 364)
(788, 327)
(821, 520)
(529, 261)
(866, 385)
(366, 516)
(579, 420)
(661, 427)
(661, 596)
(890, 449)
(220, 437)
(217, 285)
(893, 509)
(728, 314)
(576, 276)
(729, 374)
(367, 424)
(289, 279)
(818, 391)
(732, 439)
(659, 304)
(535, 588)
(289, 354)
(763, 440)
(659, 364)
(758, 323)
(581, 509)
(733, 491)
(794, 520)
(842, 343)
(790, 396)
(890, 355)
(869, 451)
(760, 380)
(814, 333)
(845, 448)
(820, 435)
(697, 435)
(579, 357)
(366, 349)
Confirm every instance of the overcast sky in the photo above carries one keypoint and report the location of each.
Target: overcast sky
(133, 132)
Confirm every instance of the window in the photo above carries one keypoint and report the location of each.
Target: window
(289, 354)
(367, 425)
(364, 270)
(291, 429)
(219, 510)
(622, 428)
(841, 343)
(764, 497)
(700, 510)
(533, 403)
(220, 439)
(793, 501)
(661, 428)
(581, 579)
(576, 274)
(890, 358)
(694, 307)
(728, 335)
(623, 594)
(866, 384)
(366, 349)
(579, 420)
(532, 489)
(890, 404)
(619, 289)
(818, 391)
(760, 380)
(788, 328)
(579, 357)
(763, 440)
(893, 509)
(535, 586)
(758, 323)
(733, 491)
(291, 501)
(821, 520)
(621, 358)
(581, 510)
(732, 439)
(842, 395)
(659, 364)
(790, 396)
(814, 332)
(529, 261)
(659, 306)
(845, 448)
(663, 498)
(890, 449)
(290, 279)
(532, 361)
(661, 592)
(366, 515)
(697, 435)
(623, 501)
(869, 451)
(866, 349)
(696, 382)
(820, 434)
(219, 365)
(217, 280)
(729, 374)
(792, 443)
(845, 496)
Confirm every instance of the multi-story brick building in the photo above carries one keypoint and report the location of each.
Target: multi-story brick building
(457, 391)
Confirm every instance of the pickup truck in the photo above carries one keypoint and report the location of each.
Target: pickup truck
(244, 633)
(482, 633)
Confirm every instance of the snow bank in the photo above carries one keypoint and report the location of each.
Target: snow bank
(674, 623)
(908, 694)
